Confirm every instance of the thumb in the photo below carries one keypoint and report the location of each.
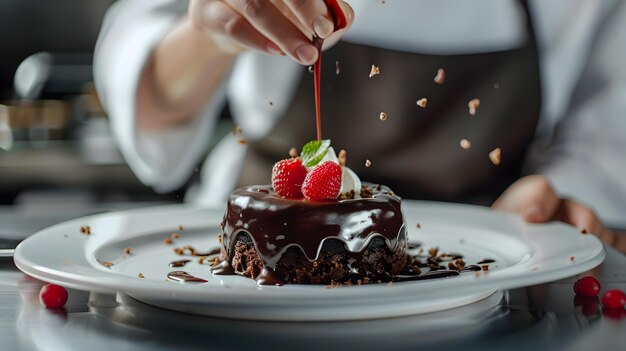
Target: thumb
(532, 197)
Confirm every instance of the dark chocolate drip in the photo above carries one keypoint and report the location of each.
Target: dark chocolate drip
(275, 224)
(486, 260)
(179, 263)
(472, 268)
(425, 276)
(269, 277)
(223, 268)
(414, 245)
(184, 277)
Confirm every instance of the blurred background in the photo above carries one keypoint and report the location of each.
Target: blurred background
(57, 156)
(55, 140)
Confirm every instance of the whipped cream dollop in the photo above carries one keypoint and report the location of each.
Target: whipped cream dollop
(349, 180)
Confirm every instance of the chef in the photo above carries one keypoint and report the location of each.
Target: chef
(517, 104)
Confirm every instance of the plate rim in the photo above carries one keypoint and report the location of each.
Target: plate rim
(97, 284)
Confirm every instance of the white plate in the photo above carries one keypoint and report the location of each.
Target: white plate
(525, 254)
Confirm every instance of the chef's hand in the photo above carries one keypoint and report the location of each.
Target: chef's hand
(533, 198)
(275, 27)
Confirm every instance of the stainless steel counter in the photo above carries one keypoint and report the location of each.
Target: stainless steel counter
(542, 317)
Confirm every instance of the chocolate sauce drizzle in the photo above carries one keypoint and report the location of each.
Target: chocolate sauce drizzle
(179, 263)
(184, 277)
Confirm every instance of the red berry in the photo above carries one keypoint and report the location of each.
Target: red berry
(614, 298)
(587, 286)
(52, 296)
(323, 182)
(287, 177)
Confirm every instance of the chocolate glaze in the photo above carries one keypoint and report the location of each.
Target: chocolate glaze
(275, 223)
(486, 260)
(184, 277)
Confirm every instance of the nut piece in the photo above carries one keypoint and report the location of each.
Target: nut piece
(181, 228)
(374, 71)
(368, 163)
(140, 275)
(473, 105)
(85, 230)
(127, 251)
(465, 144)
(175, 235)
(342, 157)
(383, 116)
(167, 241)
(440, 77)
(293, 152)
(422, 102)
(495, 156)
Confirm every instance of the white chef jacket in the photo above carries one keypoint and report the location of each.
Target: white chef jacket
(580, 142)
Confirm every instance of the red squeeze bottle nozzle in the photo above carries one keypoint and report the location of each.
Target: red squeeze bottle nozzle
(338, 16)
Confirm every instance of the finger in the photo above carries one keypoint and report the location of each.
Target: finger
(268, 20)
(220, 19)
(582, 217)
(335, 36)
(314, 15)
(532, 197)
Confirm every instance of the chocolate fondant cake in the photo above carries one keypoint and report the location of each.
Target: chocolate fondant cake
(278, 240)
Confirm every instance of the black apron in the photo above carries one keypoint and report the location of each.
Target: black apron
(416, 150)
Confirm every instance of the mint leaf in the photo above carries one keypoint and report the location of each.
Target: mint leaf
(313, 152)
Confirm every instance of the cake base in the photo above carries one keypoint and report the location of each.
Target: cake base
(333, 265)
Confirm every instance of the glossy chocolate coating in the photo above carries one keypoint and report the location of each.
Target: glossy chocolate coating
(275, 223)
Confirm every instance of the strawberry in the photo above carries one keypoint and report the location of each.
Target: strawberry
(287, 178)
(323, 182)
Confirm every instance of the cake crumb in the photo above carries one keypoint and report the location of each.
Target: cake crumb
(237, 130)
(418, 226)
(383, 116)
(127, 251)
(342, 157)
(271, 103)
(107, 264)
(85, 229)
(242, 141)
(333, 285)
(368, 163)
(337, 70)
(293, 152)
(584, 231)
(140, 275)
(433, 251)
(366, 192)
(440, 77)
(167, 241)
(175, 236)
(495, 156)
(571, 258)
(485, 267)
(465, 144)
(473, 105)
(422, 102)
(181, 228)
(374, 71)
(219, 238)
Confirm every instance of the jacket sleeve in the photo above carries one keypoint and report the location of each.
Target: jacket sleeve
(585, 158)
(130, 32)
